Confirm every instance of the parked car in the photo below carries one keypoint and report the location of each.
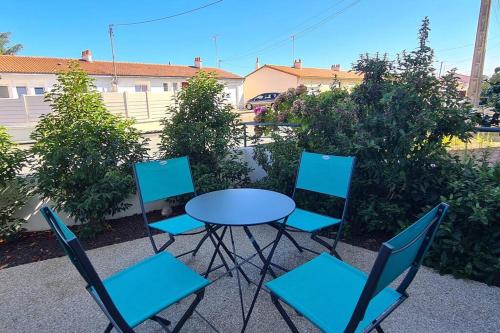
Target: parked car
(265, 99)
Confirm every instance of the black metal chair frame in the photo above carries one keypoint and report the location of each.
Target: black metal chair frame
(171, 238)
(369, 289)
(96, 288)
(315, 235)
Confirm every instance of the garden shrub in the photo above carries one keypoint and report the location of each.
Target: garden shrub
(397, 123)
(12, 192)
(203, 127)
(468, 242)
(85, 154)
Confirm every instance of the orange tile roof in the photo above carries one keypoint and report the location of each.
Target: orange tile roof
(308, 72)
(44, 65)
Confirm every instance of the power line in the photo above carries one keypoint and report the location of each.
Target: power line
(281, 42)
(111, 32)
(272, 41)
(170, 16)
(465, 45)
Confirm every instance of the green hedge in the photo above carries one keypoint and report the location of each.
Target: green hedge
(84, 153)
(397, 123)
(12, 192)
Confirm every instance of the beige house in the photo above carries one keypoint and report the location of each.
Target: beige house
(274, 78)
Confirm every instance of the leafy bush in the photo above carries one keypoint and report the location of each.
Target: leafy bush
(203, 127)
(85, 154)
(12, 196)
(280, 160)
(468, 243)
(490, 97)
(397, 123)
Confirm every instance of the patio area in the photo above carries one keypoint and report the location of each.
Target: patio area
(49, 296)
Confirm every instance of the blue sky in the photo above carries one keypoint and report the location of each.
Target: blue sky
(327, 32)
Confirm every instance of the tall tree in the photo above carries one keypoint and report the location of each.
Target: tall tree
(4, 40)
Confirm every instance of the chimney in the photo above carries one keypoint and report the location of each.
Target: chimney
(336, 67)
(257, 65)
(297, 63)
(87, 55)
(197, 62)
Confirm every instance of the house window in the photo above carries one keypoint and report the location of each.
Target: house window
(21, 91)
(4, 92)
(39, 90)
(141, 87)
(165, 87)
(174, 86)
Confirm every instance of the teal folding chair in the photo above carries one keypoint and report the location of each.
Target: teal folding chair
(163, 179)
(337, 297)
(324, 174)
(137, 293)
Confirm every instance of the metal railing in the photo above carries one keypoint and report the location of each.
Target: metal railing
(488, 129)
(256, 123)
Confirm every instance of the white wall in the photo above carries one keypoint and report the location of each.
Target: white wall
(125, 84)
(35, 221)
(268, 80)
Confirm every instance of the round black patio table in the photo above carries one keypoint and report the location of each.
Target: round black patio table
(242, 207)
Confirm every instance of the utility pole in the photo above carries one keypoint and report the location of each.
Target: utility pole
(476, 75)
(440, 69)
(217, 62)
(114, 82)
(293, 47)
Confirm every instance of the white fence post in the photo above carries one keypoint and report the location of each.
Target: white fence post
(125, 103)
(26, 109)
(147, 105)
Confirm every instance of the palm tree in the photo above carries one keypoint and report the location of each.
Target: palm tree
(4, 40)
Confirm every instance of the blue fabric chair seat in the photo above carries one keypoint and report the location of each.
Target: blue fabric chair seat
(177, 225)
(326, 290)
(151, 285)
(308, 221)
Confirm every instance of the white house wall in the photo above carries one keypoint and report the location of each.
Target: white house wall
(234, 87)
(268, 80)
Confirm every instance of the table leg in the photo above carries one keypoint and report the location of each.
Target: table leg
(258, 249)
(237, 273)
(231, 257)
(210, 231)
(263, 276)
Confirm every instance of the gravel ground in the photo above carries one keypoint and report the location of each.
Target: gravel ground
(49, 296)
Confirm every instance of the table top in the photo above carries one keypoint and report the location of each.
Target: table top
(240, 207)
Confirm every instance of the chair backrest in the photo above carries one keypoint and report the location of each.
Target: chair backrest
(68, 241)
(74, 250)
(405, 250)
(326, 174)
(157, 180)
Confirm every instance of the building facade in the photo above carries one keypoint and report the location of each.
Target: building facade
(274, 78)
(23, 75)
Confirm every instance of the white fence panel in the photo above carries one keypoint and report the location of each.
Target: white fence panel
(13, 112)
(137, 107)
(143, 107)
(115, 103)
(36, 107)
(158, 103)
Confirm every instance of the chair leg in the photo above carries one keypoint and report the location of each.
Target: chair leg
(164, 323)
(189, 312)
(168, 243)
(200, 243)
(290, 237)
(109, 328)
(283, 313)
(331, 248)
(379, 329)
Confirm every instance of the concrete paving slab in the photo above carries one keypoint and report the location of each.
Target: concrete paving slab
(49, 296)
